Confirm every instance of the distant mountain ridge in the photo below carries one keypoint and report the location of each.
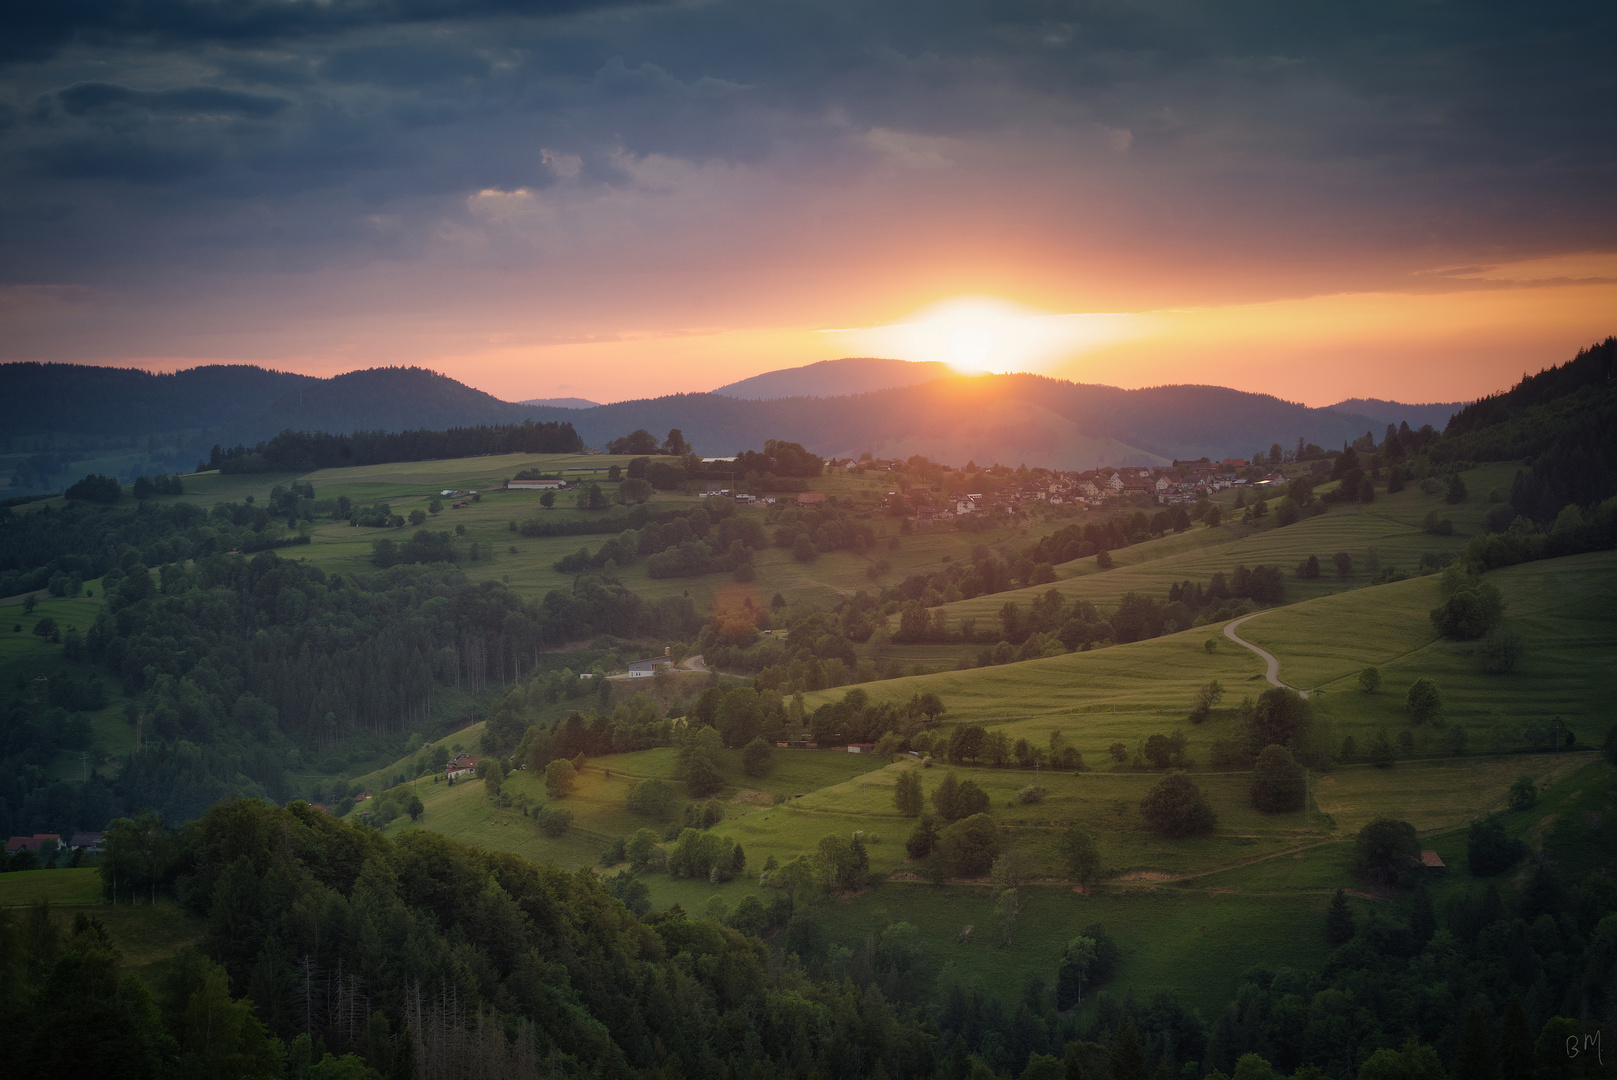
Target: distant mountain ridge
(836, 378)
(1005, 418)
(1396, 412)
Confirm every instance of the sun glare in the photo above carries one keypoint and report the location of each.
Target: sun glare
(977, 335)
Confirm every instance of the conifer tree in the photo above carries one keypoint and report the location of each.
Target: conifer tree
(1474, 1058)
(1339, 923)
(1128, 1060)
(1515, 1043)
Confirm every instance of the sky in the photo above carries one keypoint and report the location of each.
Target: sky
(1405, 199)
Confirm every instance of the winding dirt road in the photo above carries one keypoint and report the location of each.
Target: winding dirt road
(1272, 666)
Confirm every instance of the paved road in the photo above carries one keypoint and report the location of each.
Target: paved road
(694, 663)
(1272, 666)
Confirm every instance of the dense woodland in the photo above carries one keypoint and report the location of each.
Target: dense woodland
(304, 451)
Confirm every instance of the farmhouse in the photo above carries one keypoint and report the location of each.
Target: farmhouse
(460, 766)
(31, 843)
(535, 485)
(641, 669)
(88, 841)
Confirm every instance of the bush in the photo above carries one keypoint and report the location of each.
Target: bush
(1031, 794)
(1523, 794)
(1177, 807)
(969, 847)
(1370, 680)
(1277, 782)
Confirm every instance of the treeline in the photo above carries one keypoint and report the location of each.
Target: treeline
(1564, 419)
(677, 544)
(305, 451)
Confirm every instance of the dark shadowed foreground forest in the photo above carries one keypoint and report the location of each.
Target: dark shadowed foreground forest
(332, 951)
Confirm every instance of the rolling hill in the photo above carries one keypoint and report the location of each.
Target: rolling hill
(836, 378)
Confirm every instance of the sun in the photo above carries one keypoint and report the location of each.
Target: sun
(982, 335)
(974, 335)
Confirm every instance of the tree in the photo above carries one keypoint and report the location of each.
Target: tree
(560, 778)
(1386, 851)
(1308, 569)
(1424, 702)
(696, 754)
(907, 792)
(675, 444)
(1499, 652)
(415, 808)
(1281, 717)
(924, 839)
(652, 798)
(1515, 1043)
(1470, 612)
(435, 507)
(970, 799)
(1207, 695)
(757, 758)
(591, 498)
(1474, 1058)
(803, 549)
(1072, 973)
(968, 847)
(1489, 850)
(1128, 1060)
(1214, 518)
(641, 850)
(1177, 807)
(634, 491)
(943, 797)
(1339, 923)
(1081, 855)
(1344, 564)
(1523, 794)
(418, 517)
(1456, 492)
(495, 777)
(1104, 560)
(1370, 680)
(1278, 786)
(547, 499)
(1380, 753)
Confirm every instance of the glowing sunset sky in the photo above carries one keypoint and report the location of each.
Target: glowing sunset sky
(567, 198)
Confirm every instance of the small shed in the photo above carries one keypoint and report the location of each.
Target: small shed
(1432, 861)
(862, 748)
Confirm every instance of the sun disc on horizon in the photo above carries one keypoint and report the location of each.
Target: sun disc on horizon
(978, 335)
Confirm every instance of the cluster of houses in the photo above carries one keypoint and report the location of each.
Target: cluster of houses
(85, 841)
(1182, 483)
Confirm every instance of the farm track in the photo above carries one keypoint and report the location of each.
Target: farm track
(1272, 672)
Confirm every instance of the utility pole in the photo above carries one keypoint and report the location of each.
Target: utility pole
(84, 763)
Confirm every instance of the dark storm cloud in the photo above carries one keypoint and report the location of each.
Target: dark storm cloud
(37, 29)
(91, 97)
(143, 113)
